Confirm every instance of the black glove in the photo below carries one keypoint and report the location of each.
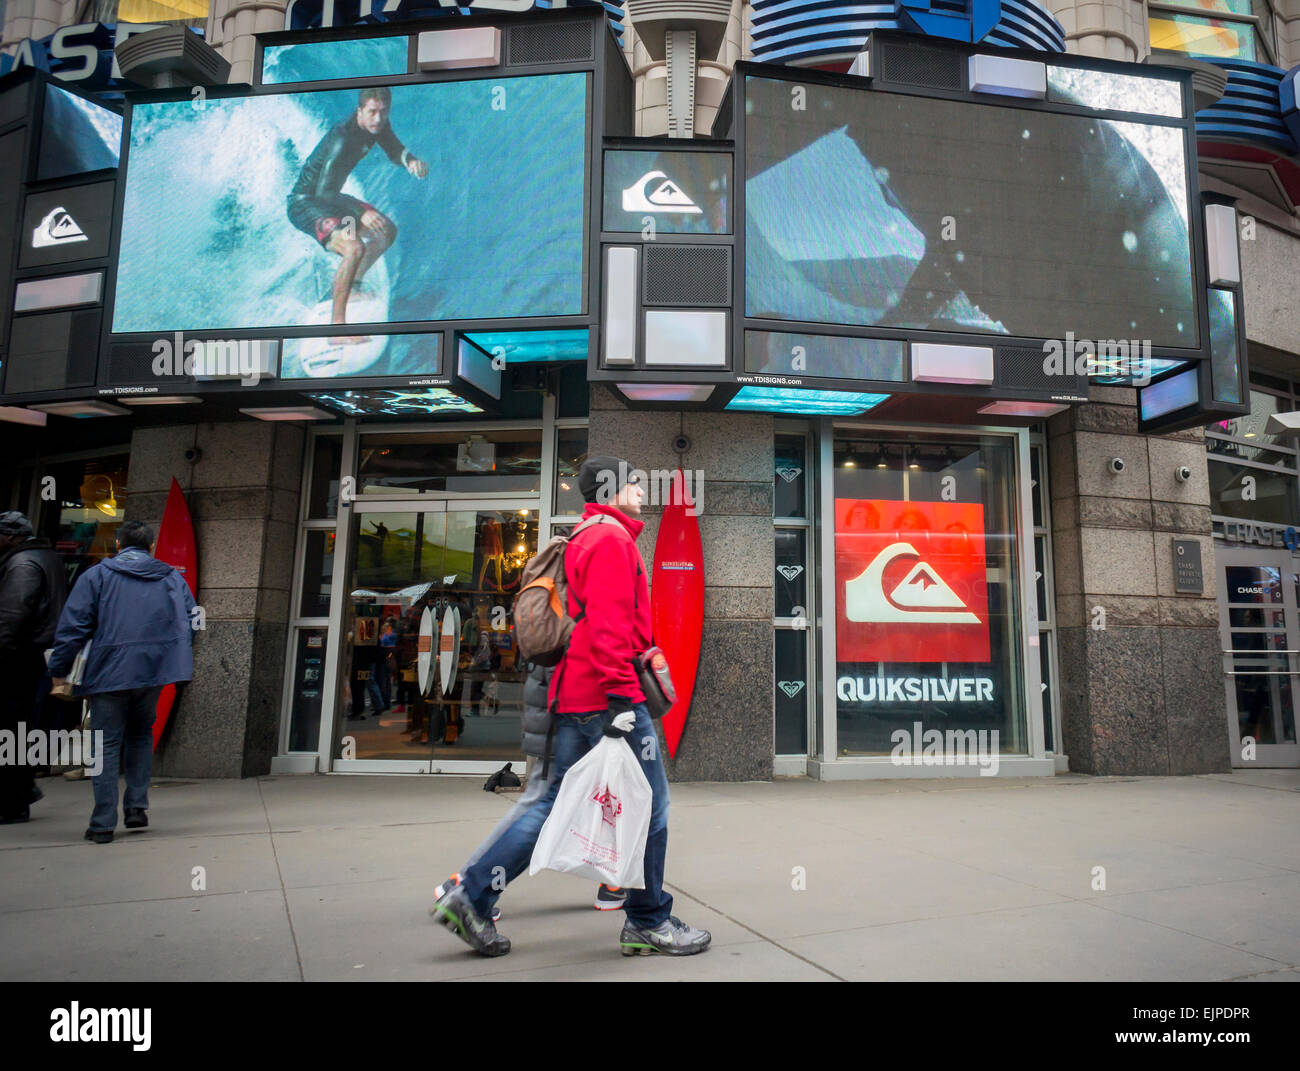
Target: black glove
(618, 706)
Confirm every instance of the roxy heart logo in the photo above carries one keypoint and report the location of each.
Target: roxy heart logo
(911, 581)
(667, 196)
(789, 474)
(791, 688)
(57, 228)
(790, 572)
(610, 805)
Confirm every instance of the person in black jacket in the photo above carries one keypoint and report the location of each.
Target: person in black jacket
(32, 593)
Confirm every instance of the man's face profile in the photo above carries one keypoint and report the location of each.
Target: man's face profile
(372, 116)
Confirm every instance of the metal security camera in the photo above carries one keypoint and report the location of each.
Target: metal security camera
(1116, 465)
(1183, 473)
(193, 455)
(681, 444)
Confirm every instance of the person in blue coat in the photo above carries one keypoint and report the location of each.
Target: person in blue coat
(135, 612)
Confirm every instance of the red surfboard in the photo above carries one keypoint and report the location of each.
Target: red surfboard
(677, 603)
(175, 547)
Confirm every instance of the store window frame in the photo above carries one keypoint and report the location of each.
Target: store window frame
(1285, 391)
(796, 763)
(353, 432)
(1047, 633)
(1263, 27)
(828, 764)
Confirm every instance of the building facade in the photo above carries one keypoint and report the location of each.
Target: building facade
(914, 537)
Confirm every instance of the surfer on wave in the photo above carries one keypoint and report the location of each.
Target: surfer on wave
(358, 232)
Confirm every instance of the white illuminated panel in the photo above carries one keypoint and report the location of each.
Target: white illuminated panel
(469, 46)
(477, 367)
(287, 412)
(1008, 77)
(934, 362)
(1221, 244)
(59, 292)
(689, 338)
(620, 305)
(861, 65)
(1040, 410)
(16, 414)
(666, 392)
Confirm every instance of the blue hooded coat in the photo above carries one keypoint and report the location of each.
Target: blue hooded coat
(136, 611)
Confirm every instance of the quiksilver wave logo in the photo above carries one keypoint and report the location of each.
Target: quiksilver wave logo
(666, 197)
(76, 1023)
(57, 228)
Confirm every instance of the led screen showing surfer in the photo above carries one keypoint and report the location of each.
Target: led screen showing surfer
(891, 210)
(450, 200)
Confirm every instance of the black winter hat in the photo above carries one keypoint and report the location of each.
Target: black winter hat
(603, 476)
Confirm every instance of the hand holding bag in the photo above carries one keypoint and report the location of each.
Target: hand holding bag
(598, 826)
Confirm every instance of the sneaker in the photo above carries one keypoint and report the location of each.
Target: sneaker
(100, 836)
(672, 938)
(135, 818)
(456, 913)
(441, 890)
(610, 898)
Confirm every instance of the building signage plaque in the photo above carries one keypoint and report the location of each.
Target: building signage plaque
(1188, 577)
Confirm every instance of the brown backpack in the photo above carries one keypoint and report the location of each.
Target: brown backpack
(542, 622)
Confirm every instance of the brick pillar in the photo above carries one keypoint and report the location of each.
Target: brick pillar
(243, 495)
(1143, 694)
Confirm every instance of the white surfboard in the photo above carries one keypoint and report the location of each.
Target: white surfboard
(321, 357)
(424, 652)
(448, 650)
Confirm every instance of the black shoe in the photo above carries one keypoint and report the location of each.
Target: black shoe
(15, 818)
(135, 818)
(37, 794)
(456, 913)
(100, 836)
(609, 898)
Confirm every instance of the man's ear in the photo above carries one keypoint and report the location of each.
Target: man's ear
(152, 547)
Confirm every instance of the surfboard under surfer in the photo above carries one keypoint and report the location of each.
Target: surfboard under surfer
(355, 230)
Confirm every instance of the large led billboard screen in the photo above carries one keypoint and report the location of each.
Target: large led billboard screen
(424, 202)
(879, 209)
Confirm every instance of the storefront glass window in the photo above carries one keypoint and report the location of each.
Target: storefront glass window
(466, 463)
(791, 692)
(317, 571)
(791, 476)
(308, 685)
(1252, 494)
(89, 504)
(457, 690)
(570, 453)
(928, 618)
(323, 501)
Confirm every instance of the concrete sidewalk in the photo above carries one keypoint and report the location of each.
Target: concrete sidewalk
(320, 878)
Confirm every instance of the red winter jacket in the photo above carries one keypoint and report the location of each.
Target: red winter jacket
(607, 582)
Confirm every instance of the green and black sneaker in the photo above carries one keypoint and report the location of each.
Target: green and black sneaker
(671, 938)
(455, 912)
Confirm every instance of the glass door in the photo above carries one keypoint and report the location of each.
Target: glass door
(1259, 591)
(463, 567)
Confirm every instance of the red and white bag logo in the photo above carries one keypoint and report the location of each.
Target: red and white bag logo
(910, 581)
(610, 806)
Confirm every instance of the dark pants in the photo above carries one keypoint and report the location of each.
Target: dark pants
(126, 720)
(21, 672)
(511, 851)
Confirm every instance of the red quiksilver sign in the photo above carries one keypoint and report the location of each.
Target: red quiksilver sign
(910, 581)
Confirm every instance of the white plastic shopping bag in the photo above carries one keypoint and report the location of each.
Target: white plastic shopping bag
(598, 826)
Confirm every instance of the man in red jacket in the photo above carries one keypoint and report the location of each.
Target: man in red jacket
(594, 692)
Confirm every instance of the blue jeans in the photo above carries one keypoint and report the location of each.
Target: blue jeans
(126, 720)
(509, 854)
